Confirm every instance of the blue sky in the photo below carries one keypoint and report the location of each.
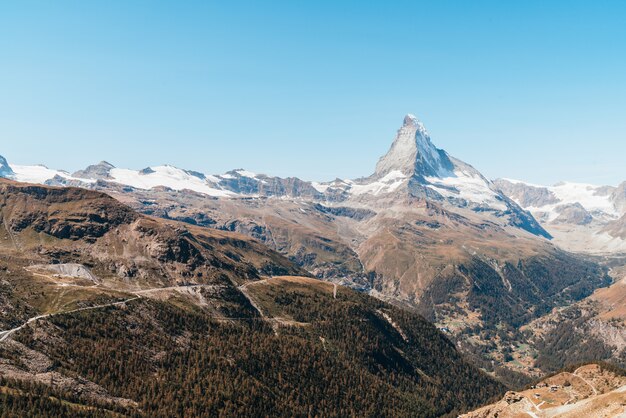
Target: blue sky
(533, 90)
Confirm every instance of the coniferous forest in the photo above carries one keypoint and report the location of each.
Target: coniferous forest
(349, 356)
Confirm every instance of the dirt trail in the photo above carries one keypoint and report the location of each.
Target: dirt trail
(159, 289)
(11, 235)
(255, 304)
(5, 334)
(138, 294)
(595, 392)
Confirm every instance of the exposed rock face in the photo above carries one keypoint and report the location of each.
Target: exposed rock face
(617, 229)
(73, 270)
(100, 171)
(57, 213)
(423, 171)
(5, 169)
(574, 214)
(525, 194)
(618, 197)
(95, 226)
(242, 182)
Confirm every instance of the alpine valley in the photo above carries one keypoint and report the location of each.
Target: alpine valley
(430, 285)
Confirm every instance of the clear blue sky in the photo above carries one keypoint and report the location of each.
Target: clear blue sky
(530, 89)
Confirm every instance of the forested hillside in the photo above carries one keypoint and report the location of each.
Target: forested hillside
(308, 352)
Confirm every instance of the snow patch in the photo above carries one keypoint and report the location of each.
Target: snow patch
(166, 176)
(320, 187)
(39, 174)
(390, 182)
(589, 196)
(465, 185)
(394, 325)
(245, 173)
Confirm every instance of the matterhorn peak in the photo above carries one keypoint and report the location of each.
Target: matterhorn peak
(412, 120)
(412, 153)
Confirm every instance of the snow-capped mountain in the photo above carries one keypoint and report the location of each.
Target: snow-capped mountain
(433, 172)
(583, 217)
(548, 202)
(413, 154)
(413, 167)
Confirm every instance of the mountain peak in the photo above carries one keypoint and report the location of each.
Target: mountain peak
(412, 120)
(413, 153)
(100, 171)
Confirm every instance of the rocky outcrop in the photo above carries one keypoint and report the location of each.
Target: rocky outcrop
(526, 195)
(573, 214)
(95, 226)
(618, 197)
(65, 213)
(100, 171)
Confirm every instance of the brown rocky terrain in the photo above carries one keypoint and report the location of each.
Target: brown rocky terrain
(587, 391)
(45, 226)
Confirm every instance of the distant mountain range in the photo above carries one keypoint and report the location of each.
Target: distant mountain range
(413, 167)
(582, 217)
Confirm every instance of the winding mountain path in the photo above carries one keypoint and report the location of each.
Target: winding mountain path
(5, 334)
(595, 392)
(138, 294)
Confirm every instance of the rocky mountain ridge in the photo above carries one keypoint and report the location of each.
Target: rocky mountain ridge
(413, 167)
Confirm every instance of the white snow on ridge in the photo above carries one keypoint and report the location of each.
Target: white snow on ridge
(166, 176)
(463, 185)
(390, 182)
(320, 187)
(39, 174)
(246, 173)
(585, 194)
(514, 181)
